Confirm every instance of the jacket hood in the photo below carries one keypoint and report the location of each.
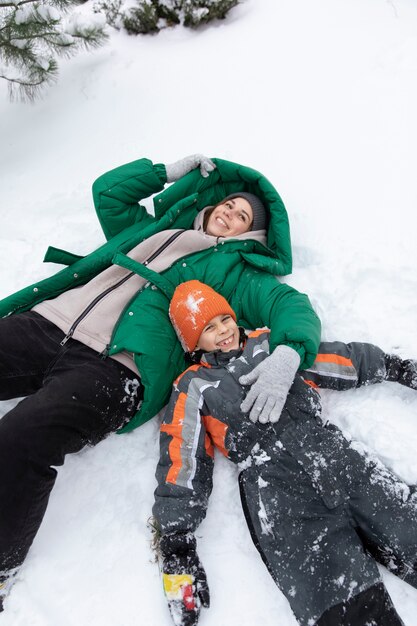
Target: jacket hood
(192, 194)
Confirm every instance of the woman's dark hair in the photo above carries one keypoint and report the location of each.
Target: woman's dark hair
(207, 214)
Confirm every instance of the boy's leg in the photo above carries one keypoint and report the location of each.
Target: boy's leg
(312, 550)
(82, 399)
(385, 511)
(374, 601)
(381, 507)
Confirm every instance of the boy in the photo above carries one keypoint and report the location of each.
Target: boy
(319, 508)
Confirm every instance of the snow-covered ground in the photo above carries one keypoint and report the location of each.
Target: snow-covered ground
(320, 95)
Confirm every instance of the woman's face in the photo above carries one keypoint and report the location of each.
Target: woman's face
(231, 218)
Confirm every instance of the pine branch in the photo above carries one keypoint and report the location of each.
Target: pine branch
(29, 86)
(22, 82)
(62, 5)
(32, 36)
(15, 6)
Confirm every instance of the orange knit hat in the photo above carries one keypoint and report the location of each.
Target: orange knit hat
(192, 306)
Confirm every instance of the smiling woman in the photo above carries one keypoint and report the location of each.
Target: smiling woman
(234, 215)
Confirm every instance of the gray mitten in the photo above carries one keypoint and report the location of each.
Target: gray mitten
(180, 168)
(270, 382)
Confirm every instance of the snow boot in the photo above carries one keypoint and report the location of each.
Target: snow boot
(372, 606)
(401, 371)
(6, 581)
(2, 595)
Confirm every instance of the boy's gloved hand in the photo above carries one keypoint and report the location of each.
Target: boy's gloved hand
(184, 578)
(271, 381)
(180, 168)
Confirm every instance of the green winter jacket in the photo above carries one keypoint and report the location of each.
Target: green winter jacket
(244, 272)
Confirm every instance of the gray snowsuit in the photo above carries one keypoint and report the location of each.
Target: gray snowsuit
(320, 508)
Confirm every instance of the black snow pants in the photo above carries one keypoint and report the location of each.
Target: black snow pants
(74, 398)
(321, 512)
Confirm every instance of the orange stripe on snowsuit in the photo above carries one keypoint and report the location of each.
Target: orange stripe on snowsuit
(333, 358)
(332, 366)
(192, 368)
(258, 331)
(311, 384)
(175, 430)
(186, 429)
(218, 431)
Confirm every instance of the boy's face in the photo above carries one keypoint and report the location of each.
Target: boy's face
(221, 333)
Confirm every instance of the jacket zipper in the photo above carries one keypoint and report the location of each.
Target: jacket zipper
(112, 288)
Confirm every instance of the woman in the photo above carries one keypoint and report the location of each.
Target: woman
(92, 347)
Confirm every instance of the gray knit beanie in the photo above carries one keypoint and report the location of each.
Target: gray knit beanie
(260, 215)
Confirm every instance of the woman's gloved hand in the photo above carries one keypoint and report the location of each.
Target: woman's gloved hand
(270, 383)
(184, 578)
(180, 168)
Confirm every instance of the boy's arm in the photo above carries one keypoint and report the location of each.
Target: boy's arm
(184, 475)
(185, 469)
(183, 576)
(342, 366)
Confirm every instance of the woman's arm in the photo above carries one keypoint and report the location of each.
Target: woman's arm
(116, 195)
(295, 335)
(262, 300)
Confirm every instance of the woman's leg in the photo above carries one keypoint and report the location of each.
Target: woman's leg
(28, 345)
(82, 399)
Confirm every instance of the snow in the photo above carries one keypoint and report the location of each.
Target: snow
(43, 62)
(80, 23)
(319, 95)
(42, 13)
(192, 305)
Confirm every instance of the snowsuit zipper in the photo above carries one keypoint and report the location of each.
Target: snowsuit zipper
(112, 288)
